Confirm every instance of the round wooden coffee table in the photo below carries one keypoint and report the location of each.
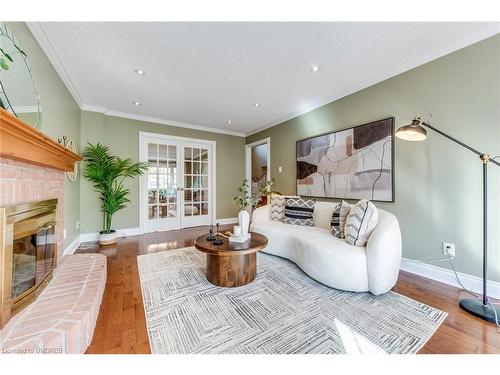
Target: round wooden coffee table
(231, 263)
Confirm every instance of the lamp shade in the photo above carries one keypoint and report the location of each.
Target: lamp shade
(413, 132)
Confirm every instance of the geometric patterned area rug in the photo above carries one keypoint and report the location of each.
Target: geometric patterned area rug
(282, 311)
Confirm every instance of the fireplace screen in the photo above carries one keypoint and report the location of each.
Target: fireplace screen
(33, 256)
(29, 250)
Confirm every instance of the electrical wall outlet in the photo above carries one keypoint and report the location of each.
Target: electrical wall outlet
(449, 249)
(280, 169)
(77, 225)
(64, 233)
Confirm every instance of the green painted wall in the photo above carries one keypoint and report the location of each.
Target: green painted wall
(60, 116)
(438, 183)
(122, 136)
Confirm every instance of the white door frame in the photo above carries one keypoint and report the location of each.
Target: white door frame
(248, 158)
(212, 184)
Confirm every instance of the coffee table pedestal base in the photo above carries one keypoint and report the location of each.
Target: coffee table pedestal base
(231, 271)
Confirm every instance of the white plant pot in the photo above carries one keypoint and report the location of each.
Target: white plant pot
(106, 239)
(244, 222)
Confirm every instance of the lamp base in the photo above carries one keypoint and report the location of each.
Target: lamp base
(476, 307)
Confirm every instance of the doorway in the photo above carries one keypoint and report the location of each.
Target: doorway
(178, 189)
(258, 165)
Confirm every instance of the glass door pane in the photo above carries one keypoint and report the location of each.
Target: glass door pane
(196, 185)
(162, 185)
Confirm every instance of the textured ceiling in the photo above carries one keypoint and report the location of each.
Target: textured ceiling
(208, 73)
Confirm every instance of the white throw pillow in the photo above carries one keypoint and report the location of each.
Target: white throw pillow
(362, 219)
(322, 215)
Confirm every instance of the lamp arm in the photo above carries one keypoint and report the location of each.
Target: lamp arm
(480, 154)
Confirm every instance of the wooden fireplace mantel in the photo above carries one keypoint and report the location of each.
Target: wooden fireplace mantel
(21, 141)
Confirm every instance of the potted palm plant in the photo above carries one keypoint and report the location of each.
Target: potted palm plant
(107, 173)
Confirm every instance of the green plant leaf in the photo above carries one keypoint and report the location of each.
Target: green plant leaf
(3, 64)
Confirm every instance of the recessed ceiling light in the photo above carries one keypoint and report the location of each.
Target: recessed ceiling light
(229, 121)
(137, 103)
(140, 72)
(256, 104)
(314, 68)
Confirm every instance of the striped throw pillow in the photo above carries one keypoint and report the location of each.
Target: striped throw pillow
(338, 218)
(361, 222)
(299, 211)
(278, 207)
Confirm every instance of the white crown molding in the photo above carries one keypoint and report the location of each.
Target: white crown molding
(486, 32)
(40, 35)
(132, 116)
(93, 108)
(43, 40)
(446, 276)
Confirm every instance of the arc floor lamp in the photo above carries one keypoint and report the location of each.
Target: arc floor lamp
(416, 132)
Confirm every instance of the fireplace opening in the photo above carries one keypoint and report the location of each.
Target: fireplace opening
(28, 253)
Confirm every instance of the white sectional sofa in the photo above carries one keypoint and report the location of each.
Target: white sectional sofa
(331, 260)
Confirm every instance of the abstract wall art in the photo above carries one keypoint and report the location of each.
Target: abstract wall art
(354, 163)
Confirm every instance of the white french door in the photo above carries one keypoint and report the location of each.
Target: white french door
(178, 188)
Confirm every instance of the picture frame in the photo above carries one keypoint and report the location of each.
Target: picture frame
(351, 163)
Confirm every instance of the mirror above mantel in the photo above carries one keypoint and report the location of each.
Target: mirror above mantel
(18, 89)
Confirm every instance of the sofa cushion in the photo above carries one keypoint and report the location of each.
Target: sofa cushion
(338, 218)
(278, 206)
(327, 259)
(322, 215)
(299, 211)
(362, 219)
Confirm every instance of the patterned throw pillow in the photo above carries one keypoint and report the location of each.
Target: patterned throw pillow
(338, 218)
(299, 211)
(278, 207)
(360, 222)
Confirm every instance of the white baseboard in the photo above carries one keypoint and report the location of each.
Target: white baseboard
(71, 248)
(446, 276)
(227, 221)
(125, 232)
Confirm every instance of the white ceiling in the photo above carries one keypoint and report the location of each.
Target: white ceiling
(204, 74)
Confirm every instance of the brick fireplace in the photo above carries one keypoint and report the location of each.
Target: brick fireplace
(39, 314)
(21, 182)
(32, 169)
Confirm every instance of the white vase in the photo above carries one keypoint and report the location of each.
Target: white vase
(244, 222)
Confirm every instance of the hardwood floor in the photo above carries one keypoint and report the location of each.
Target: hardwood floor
(121, 325)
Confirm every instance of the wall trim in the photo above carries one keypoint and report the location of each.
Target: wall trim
(43, 40)
(446, 276)
(155, 120)
(38, 31)
(248, 158)
(227, 221)
(71, 248)
(125, 232)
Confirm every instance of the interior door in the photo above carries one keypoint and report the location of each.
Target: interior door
(177, 190)
(197, 184)
(160, 185)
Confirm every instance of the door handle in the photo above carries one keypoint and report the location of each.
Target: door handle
(180, 189)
